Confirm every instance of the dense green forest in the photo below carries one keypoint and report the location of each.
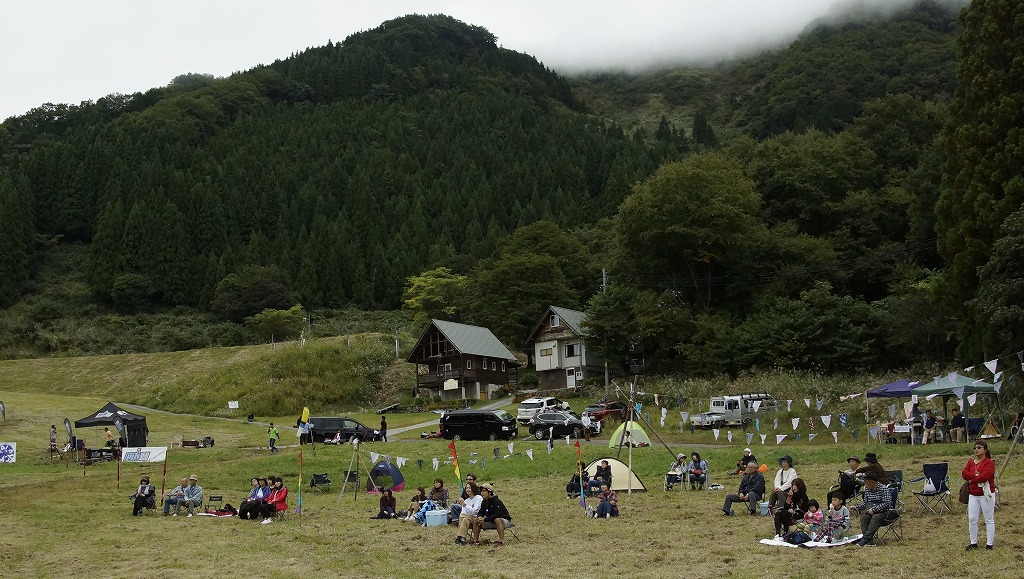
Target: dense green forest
(775, 211)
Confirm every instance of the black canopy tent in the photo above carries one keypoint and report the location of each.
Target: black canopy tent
(135, 428)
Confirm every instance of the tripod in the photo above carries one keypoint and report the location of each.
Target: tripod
(631, 414)
(353, 474)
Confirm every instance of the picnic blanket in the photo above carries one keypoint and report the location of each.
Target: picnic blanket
(810, 544)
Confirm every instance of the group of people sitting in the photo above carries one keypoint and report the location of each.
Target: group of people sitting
(795, 513)
(582, 482)
(268, 497)
(477, 506)
(695, 471)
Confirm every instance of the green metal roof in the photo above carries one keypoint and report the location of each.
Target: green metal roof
(475, 340)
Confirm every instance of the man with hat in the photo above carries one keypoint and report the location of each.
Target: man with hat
(492, 510)
(192, 496)
(877, 509)
(748, 457)
(872, 466)
(144, 497)
(751, 490)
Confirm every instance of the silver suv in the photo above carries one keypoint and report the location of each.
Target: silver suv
(531, 406)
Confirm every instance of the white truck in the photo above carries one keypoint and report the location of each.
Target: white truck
(735, 410)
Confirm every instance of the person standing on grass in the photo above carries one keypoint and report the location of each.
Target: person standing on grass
(980, 474)
(275, 434)
(110, 438)
(383, 428)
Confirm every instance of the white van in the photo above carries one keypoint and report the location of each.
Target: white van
(735, 410)
(531, 406)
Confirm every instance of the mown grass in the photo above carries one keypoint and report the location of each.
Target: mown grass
(65, 519)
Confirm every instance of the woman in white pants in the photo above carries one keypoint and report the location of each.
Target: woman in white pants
(980, 474)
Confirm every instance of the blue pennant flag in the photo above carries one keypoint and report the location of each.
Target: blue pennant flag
(843, 418)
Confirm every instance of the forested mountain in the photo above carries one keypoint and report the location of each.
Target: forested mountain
(774, 211)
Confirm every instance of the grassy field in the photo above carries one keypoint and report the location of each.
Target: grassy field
(65, 519)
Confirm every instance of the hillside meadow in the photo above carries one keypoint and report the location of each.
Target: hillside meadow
(61, 518)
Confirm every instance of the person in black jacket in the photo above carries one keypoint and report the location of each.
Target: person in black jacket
(491, 511)
(794, 509)
(751, 490)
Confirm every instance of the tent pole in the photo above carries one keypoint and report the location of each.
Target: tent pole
(347, 475)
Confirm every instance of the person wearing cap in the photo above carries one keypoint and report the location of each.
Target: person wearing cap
(675, 471)
(144, 497)
(492, 510)
(192, 496)
(872, 465)
(877, 509)
(747, 458)
(176, 495)
(752, 487)
(783, 480)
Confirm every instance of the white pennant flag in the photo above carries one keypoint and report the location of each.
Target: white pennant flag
(991, 365)
(400, 461)
(930, 396)
(796, 423)
(820, 402)
(811, 436)
(973, 398)
(656, 400)
(763, 437)
(807, 401)
(959, 392)
(757, 405)
(437, 463)
(997, 377)
(683, 416)
(729, 435)
(529, 453)
(374, 456)
(779, 438)
(953, 376)
(892, 411)
(835, 436)
(510, 445)
(567, 443)
(750, 436)
(472, 462)
(789, 405)
(716, 431)
(826, 420)
(998, 386)
(775, 424)
(873, 432)
(969, 369)
(664, 414)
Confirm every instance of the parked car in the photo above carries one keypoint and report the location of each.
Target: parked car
(478, 425)
(532, 406)
(601, 410)
(326, 429)
(560, 422)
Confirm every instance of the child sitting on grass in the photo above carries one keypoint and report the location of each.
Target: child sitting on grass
(812, 519)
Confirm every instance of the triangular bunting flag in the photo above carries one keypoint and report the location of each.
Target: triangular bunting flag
(998, 386)
(972, 399)
(775, 424)
(529, 453)
(763, 437)
(567, 437)
(436, 463)
(483, 463)
(757, 424)
(510, 445)
(779, 438)
(715, 430)
(796, 423)
(683, 416)
(908, 408)
(998, 376)
(991, 365)
(892, 411)
(811, 436)
(750, 436)
(819, 403)
(656, 400)
(959, 391)
(798, 437)
(826, 420)
(728, 435)
(756, 405)
(873, 432)
(807, 401)
(789, 405)
(810, 422)
(835, 436)
(843, 419)
(374, 456)
(472, 461)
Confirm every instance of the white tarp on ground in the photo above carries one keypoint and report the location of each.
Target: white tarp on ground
(144, 454)
(810, 544)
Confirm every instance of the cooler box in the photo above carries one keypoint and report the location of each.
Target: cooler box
(438, 518)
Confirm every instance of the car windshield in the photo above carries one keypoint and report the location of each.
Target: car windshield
(594, 408)
(504, 416)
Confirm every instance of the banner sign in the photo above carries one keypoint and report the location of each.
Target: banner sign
(144, 454)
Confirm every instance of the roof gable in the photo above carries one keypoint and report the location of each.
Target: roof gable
(572, 319)
(466, 339)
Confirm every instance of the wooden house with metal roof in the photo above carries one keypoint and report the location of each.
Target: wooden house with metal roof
(459, 361)
(561, 357)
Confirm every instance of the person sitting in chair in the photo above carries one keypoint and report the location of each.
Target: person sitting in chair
(958, 426)
(191, 497)
(751, 490)
(470, 510)
(873, 466)
(675, 472)
(747, 458)
(849, 481)
(876, 511)
(176, 495)
(439, 494)
(603, 475)
(783, 480)
(144, 497)
(792, 511)
(575, 486)
(929, 427)
(492, 510)
(276, 502)
(250, 507)
(698, 471)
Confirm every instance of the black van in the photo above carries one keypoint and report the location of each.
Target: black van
(478, 425)
(327, 428)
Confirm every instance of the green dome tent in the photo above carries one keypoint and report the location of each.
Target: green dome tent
(637, 436)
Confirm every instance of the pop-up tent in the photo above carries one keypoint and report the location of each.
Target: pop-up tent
(135, 429)
(637, 435)
(623, 477)
(384, 474)
(897, 389)
(959, 386)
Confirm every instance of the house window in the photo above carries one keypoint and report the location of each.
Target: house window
(555, 322)
(572, 350)
(494, 365)
(469, 364)
(545, 351)
(502, 366)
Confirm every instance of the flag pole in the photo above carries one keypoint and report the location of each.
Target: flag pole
(163, 480)
(298, 506)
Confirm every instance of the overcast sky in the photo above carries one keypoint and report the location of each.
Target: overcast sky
(66, 51)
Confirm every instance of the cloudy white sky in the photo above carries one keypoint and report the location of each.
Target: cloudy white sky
(66, 51)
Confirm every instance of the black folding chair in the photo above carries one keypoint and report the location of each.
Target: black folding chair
(320, 483)
(934, 494)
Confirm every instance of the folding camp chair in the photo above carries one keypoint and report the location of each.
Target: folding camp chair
(934, 494)
(895, 479)
(893, 525)
(219, 499)
(320, 483)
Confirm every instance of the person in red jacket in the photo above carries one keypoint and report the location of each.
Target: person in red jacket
(980, 474)
(276, 502)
